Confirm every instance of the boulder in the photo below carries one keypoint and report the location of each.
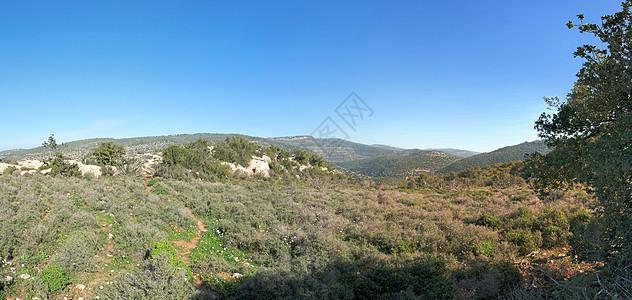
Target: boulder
(257, 166)
(86, 169)
(30, 164)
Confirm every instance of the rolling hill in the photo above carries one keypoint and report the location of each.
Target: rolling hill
(401, 166)
(505, 154)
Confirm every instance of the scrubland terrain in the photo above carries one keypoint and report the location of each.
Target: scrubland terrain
(476, 234)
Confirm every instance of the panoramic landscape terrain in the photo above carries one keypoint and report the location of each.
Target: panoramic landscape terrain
(208, 151)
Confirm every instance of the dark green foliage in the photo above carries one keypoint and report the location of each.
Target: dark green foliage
(55, 277)
(401, 166)
(506, 154)
(484, 280)
(108, 154)
(59, 166)
(196, 157)
(490, 221)
(585, 238)
(502, 175)
(530, 231)
(526, 239)
(591, 131)
(308, 158)
(424, 278)
(236, 149)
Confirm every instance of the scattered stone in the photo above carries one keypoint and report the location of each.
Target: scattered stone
(8, 278)
(81, 286)
(25, 276)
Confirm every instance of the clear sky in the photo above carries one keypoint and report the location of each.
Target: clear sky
(461, 74)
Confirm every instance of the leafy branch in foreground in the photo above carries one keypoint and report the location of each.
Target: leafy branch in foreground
(591, 133)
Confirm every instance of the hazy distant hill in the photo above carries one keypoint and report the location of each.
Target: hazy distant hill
(387, 147)
(77, 149)
(456, 152)
(401, 166)
(333, 150)
(336, 150)
(506, 154)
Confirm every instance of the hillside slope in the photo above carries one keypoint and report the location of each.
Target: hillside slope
(332, 150)
(401, 166)
(505, 154)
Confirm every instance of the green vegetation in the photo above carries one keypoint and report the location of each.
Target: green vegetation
(108, 154)
(290, 238)
(59, 166)
(237, 150)
(204, 160)
(555, 226)
(506, 154)
(401, 166)
(591, 134)
(192, 160)
(56, 278)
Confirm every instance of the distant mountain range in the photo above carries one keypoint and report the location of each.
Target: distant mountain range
(368, 160)
(505, 154)
(413, 162)
(401, 166)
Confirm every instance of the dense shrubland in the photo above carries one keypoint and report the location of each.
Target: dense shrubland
(320, 237)
(205, 160)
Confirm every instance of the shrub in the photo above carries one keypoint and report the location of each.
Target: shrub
(194, 156)
(55, 277)
(554, 227)
(236, 149)
(60, 167)
(527, 240)
(158, 279)
(166, 249)
(108, 154)
(489, 220)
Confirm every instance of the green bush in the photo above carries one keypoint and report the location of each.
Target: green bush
(60, 167)
(489, 220)
(554, 227)
(56, 278)
(108, 154)
(236, 149)
(194, 156)
(158, 279)
(525, 239)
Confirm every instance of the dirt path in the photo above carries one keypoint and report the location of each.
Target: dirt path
(188, 246)
(184, 248)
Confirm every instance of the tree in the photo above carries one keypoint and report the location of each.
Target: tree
(52, 147)
(591, 131)
(108, 154)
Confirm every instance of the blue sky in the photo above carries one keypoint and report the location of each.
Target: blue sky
(461, 74)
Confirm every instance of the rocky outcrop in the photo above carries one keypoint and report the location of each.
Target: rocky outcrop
(33, 167)
(5, 166)
(257, 166)
(90, 170)
(149, 160)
